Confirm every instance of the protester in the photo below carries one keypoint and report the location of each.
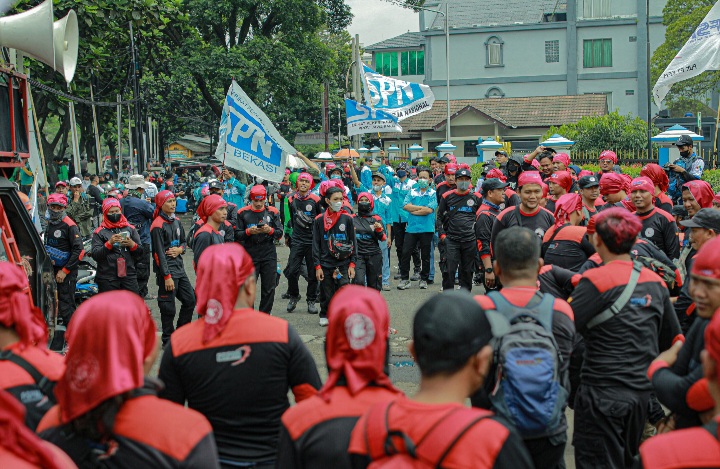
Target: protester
(517, 266)
(234, 190)
(658, 226)
(334, 249)
(560, 183)
(169, 245)
(216, 187)
(108, 413)
(139, 212)
(451, 345)
(696, 195)
(258, 227)
(660, 179)
(510, 197)
(565, 244)
(316, 432)
(384, 207)
(79, 208)
(370, 234)
(607, 160)
(514, 170)
(492, 199)
(213, 215)
(611, 405)
(235, 365)
(614, 188)
(688, 167)
(448, 184)
(561, 161)
(117, 249)
(401, 185)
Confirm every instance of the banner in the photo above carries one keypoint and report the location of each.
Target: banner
(362, 119)
(248, 140)
(400, 98)
(700, 53)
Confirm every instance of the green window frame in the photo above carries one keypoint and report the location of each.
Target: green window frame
(386, 63)
(412, 62)
(597, 53)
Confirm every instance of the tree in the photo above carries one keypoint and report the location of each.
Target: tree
(609, 132)
(682, 17)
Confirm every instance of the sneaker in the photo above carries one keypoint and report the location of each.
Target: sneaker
(423, 285)
(285, 296)
(386, 287)
(430, 282)
(397, 277)
(312, 308)
(415, 277)
(324, 322)
(292, 304)
(404, 285)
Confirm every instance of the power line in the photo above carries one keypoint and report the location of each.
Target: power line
(77, 99)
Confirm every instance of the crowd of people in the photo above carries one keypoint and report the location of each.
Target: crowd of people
(600, 293)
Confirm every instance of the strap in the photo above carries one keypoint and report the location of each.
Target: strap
(549, 241)
(42, 382)
(622, 299)
(518, 216)
(446, 432)
(379, 437)
(543, 303)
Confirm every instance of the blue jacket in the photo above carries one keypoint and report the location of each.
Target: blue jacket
(399, 191)
(421, 223)
(383, 208)
(139, 213)
(235, 192)
(694, 167)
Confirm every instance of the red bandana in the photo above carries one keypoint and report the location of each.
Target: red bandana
(106, 206)
(16, 308)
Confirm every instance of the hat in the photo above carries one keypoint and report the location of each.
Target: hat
(492, 184)
(379, 175)
(707, 260)
(451, 168)
(684, 140)
(501, 152)
(258, 192)
(586, 182)
(57, 199)
(529, 177)
(61, 183)
(76, 181)
(136, 181)
(679, 210)
(707, 218)
(608, 155)
(215, 184)
(463, 173)
(443, 159)
(642, 184)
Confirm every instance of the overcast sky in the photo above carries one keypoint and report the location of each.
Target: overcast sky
(377, 20)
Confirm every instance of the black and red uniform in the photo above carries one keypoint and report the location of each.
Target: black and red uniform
(488, 444)
(147, 432)
(684, 305)
(539, 221)
(106, 256)
(239, 380)
(442, 188)
(511, 198)
(557, 281)
(566, 247)
(261, 248)
(456, 215)
(166, 233)
(664, 202)
(546, 450)
(65, 247)
(660, 228)
(303, 211)
(368, 264)
(685, 449)
(486, 216)
(205, 236)
(31, 391)
(611, 406)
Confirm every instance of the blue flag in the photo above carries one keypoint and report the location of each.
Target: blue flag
(363, 119)
(400, 98)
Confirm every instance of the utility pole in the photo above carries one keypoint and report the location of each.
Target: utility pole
(138, 106)
(95, 124)
(649, 101)
(357, 83)
(326, 114)
(339, 128)
(119, 127)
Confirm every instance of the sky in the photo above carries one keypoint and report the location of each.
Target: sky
(377, 20)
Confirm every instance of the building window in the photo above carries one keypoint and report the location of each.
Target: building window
(494, 52)
(597, 53)
(386, 63)
(412, 62)
(494, 92)
(596, 9)
(469, 148)
(552, 51)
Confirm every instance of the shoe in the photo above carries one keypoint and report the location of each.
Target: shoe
(386, 287)
(415, 277)
(404, 285)
(292, 304)
(430, 282)
(397, 277)
(312, 308)
(457, 281)
(324, 322)
(423, 285)
(285, 296)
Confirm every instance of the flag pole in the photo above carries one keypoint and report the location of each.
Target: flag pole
(717, 124)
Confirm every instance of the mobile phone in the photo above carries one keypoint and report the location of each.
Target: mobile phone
(125, 235)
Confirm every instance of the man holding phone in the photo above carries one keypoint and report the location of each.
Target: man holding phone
(688, 167)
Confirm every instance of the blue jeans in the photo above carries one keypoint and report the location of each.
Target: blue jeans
(386, 263)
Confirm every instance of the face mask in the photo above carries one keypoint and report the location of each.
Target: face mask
(377, 188)
(463, 185)
(401, 173)
(335, 206)
(114, 217)
(364, 207)
(684, 154)
(335, 176)
(57, 216)
(423, 183)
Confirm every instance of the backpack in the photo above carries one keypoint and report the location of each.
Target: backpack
(37, 399)
(385, 453)
(340, 249)
(528, 388)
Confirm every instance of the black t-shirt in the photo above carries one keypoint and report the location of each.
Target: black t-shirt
(538, 221)
(366, 236)
(660, 228)
(566, 247)
(456, 215)
(309, 207)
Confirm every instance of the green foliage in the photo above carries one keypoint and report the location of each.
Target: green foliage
(681, 17)
(612, 131)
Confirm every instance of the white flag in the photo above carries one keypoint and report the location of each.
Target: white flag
(363, 119)
(249, 142)
(700, 53)
(400, 98)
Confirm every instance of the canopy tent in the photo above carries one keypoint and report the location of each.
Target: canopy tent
(345, 153)
(323, 156)
(673, 133)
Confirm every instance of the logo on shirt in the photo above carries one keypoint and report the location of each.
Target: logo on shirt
(649, 232)
(178, 231)
(341, 227)
(470, 202)
(308, 208)
(359, 330)
(540, 232)
(643, 302)
(213, 312)
(222, 233)
(58, 234)
(83, 373)
(237, 356)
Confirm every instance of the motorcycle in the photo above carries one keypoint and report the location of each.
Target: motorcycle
(85, 286)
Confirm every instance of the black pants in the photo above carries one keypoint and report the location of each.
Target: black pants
(412, 242)
(266, 272)
(460, 254)
(330, 285)
(609, 424)
(298, 253)
(128, 283)
(166, 302)
(548, 452)
(398, 232)
(368, 270)
(66, 296)
(142, 269)
(442, 250)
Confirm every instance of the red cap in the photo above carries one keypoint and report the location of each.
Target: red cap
(608, 155)
(642, 184)
(701, 191)
(707, 260)
(451, 168)
(712, 341)
(496, 174)
(529, 177)
(61, 183)
(563, 179)
(57, 199)
(563, 158)
(210, 205)
(657, 175)
(258, 192)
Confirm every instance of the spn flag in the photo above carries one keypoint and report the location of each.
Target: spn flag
(700, 53)
(248, 140)
(400, 98)
(363, 119)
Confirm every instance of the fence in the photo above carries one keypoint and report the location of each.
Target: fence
(637, 157)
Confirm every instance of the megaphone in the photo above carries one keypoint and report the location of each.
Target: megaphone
(34, 33)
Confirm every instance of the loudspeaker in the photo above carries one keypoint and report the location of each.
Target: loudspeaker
(35, 33)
